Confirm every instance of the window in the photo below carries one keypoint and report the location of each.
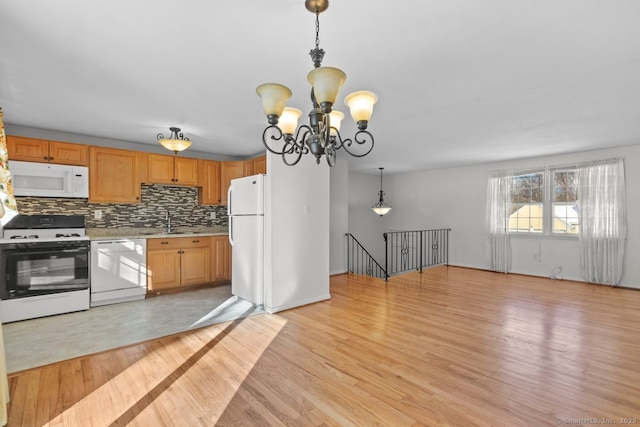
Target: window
(544, 202)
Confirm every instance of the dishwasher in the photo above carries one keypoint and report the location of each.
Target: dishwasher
(118, 271)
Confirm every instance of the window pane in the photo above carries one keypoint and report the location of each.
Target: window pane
(565, 218)
(527, 218)
(564, 186)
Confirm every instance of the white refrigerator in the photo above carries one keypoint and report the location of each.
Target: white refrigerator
(246, 234)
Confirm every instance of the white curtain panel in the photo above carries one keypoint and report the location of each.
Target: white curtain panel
(603, 220)
(498, 205)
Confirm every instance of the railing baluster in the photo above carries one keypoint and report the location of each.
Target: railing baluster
(359, 261)
(414, 250)
(403, 251)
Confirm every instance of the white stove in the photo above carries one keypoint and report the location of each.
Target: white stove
(44, 266)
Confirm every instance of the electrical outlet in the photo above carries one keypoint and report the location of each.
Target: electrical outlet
(97, 214)
(212, 215)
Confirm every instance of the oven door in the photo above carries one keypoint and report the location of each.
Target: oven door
(31, 269)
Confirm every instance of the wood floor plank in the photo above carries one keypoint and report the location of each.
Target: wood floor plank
(450, 346)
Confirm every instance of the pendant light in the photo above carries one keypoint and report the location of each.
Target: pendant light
(381, 207)
(176, 142)
(321, 137)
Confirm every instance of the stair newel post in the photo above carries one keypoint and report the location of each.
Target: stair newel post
(386, 257)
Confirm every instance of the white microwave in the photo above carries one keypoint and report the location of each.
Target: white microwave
(49, 180)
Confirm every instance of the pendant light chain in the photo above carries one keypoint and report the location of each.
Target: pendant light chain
(317, 54)
(317, 28)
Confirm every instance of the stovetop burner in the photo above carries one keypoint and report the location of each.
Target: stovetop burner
(26, 228)
(67, 235)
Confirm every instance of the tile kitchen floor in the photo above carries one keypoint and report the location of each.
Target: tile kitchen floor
(37, 342)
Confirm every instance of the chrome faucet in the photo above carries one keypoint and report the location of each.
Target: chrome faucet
(169, 227)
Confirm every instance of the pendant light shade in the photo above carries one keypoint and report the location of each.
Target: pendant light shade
(288, 121)
(176, 142)
(381, 207)
(335, 118)
(361, 105)
(274, 96)
(326, 82)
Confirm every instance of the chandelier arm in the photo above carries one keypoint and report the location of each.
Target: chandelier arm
(361, 138)
(277, 137)
(337, 139)
(295, 148)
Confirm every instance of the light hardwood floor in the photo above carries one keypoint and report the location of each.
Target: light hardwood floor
(451, 346)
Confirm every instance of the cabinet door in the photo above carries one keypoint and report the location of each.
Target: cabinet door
(229, 171)
(28, 149)
(194, 266)
(65, 153)
(260, 165)
(220, 258)
(160, 169)
(114, 176)
(163, 269)
(209, 182)
(185, 171)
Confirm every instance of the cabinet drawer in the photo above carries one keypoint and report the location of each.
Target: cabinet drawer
(194, 242)
(178, 243)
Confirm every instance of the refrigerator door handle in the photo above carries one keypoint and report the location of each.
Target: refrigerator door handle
(231, 230)
(229, 201)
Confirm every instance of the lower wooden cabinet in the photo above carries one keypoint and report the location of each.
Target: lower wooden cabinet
(178, 261)
(174, 262)
(220, 258)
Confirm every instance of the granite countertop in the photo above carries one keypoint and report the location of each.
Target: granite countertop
(151, 233)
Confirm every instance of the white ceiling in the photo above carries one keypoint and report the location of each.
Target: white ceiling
(460, 81)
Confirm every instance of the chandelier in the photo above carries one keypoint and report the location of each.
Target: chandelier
(322, 136)
(381, 207)
(176, 142)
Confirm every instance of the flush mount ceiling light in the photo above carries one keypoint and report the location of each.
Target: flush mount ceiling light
(381, 207)
(322, 136)
(176, 141)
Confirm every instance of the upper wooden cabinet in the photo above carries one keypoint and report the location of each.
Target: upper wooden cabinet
(163, 169)
(114, 175)
(248, 168)
(209, 182)
(229, 171)
(260, 165)
(42, 151)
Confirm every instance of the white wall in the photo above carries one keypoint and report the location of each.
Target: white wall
(297, 229)
(339, 215)
(456, 198)
(364, 224)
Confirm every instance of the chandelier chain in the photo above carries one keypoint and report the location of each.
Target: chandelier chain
(317, 28)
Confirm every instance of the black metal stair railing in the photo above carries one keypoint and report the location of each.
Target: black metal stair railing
(360, 261)
(414, 250)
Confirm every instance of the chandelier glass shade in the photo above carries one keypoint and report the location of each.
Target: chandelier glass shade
(381, 207)
(321, 137)
(176, 141)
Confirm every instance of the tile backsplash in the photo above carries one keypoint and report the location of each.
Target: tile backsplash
(180, 202)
